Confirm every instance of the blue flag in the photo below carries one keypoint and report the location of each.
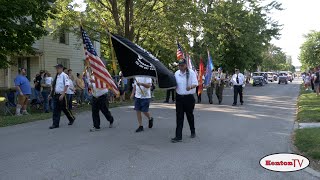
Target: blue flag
(209, 69)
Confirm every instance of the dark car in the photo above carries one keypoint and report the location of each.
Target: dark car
(283, 78)
(258, 79)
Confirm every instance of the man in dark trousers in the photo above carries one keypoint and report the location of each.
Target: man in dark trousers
(58, 94)
(186, 88)
(238, 83)
(100, 102)
(172, 92)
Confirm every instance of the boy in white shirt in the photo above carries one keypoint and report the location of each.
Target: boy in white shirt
(142, 93)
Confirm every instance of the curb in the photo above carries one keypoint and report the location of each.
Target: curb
(292, 150)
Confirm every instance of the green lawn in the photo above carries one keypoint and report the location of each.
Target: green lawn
(308, 107)
(308, 142)
(37, 115)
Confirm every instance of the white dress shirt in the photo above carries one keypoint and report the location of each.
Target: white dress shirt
(143, 93)
(97, 92)
(240, 77)
(181, 79)
(62, 81)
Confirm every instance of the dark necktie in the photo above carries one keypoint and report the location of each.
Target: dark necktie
(237, 79)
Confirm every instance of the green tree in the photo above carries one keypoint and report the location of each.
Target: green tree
(22, 23)
(239, 31)
(310, 50)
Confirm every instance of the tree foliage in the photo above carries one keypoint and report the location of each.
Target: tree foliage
(22, 22)
(310, 51)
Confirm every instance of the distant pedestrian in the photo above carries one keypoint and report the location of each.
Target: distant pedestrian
(142, 93)
(23, 88)
(99, 103)
(70, 92)
(186, 88)
(219, 80)
(172, 92)
(316, 81)
(79, 86)
(58, 94)
(37, 86)
(210, 88)
(238, 83)
(307, 81)
(46, 84)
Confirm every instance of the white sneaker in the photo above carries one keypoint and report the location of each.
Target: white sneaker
(18, 114)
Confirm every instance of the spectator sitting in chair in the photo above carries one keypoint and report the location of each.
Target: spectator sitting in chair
(23, 87)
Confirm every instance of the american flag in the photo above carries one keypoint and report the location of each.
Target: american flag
(102, 77)
(180, 54)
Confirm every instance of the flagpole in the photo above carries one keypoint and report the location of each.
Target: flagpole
(142, 92)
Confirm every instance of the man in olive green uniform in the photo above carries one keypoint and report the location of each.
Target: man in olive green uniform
(210, 88)
(219, 80)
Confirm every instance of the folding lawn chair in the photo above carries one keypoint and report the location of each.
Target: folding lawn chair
(10, 102)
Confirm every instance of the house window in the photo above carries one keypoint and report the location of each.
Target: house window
(64, 37)
(64, 62)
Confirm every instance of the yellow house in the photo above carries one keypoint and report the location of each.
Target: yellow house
(66, 50)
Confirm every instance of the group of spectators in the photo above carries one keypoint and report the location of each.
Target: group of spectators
(311, 80)
(77, 94)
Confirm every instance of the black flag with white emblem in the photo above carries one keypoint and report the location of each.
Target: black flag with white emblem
(136, 61)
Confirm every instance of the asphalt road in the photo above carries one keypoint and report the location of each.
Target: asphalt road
(229, 145)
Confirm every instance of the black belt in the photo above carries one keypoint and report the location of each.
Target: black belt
(184, 95)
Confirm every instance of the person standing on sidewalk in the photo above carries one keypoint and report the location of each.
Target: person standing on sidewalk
(238, 82)
(186, 88)
(58, 94)
(79, 85)
(23, 87)
(210, 88)
(46, 89)
(316, 81)
(219, 79)
(142, 93)
(100, 102)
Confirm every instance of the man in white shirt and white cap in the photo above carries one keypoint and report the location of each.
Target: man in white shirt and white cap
(100, 102)
(186, 88)
(58, 95)
(238, 83)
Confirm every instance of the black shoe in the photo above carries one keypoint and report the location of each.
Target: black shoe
(242, 103)
(193, 135)
(151, 123)
(210, 102)
(70, 123)
(46, 112)
(219, 102)
(111, 123)
(53, 127)
(176, 140)
(234, 104)
(140, 129)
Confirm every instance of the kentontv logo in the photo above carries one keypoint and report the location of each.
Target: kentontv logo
(284, 162)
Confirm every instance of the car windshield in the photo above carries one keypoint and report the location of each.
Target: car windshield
(257, 74)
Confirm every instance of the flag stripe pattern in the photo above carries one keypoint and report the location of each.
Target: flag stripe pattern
(180, 54)
(102, 77)
(209, 69)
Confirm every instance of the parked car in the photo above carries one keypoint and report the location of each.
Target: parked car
(258, 78)
(270, 76)
(283, 78)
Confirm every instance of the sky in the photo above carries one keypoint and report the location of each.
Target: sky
(299, 17)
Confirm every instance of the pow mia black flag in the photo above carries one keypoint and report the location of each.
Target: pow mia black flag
(136, 61)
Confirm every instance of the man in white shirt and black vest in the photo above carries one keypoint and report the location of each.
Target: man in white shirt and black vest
(186, 88)
(58, 95)
(238, 83)
(100, 102)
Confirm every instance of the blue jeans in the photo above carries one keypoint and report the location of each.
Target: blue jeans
(69, 101)
(37, 95)
(45, 95)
